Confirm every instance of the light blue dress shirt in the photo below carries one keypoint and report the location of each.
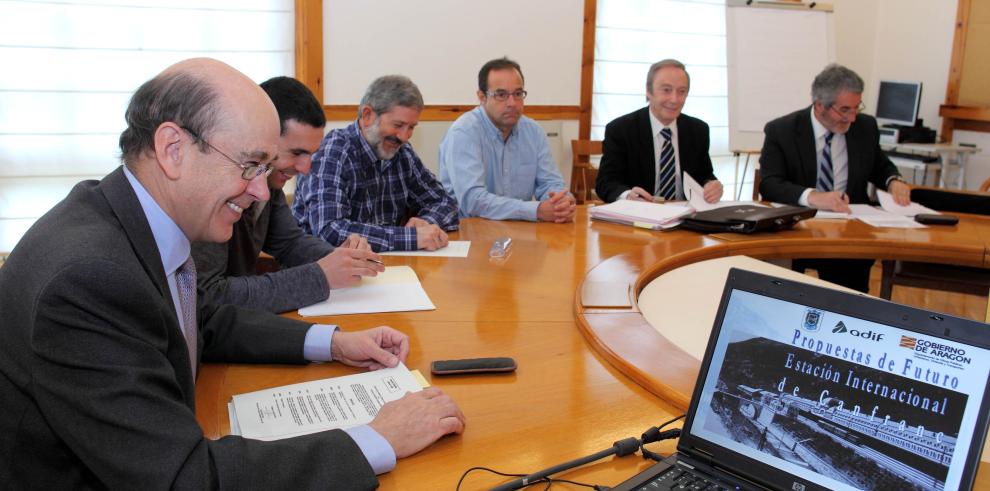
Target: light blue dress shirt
(495, 178)
(173, 246)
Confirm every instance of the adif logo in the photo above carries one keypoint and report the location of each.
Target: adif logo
(841, 328)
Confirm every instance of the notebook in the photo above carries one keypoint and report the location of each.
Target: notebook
(806, 388)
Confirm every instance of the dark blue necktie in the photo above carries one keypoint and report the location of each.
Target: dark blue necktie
(667, 175)
(826, 181)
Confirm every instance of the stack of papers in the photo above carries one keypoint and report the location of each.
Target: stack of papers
(889, 215)
(320, 405)
(653, 216)
(395, 290)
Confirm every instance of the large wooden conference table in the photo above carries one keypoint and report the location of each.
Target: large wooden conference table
(586, 377)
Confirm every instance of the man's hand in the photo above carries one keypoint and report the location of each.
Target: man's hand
(416, 222)
(832, 201)
(639, 194)
(900, 191)
(376, 348)
(430, 237)
(558, 208)
(356, 241)
(418, 419)
(344, 267)
(713, 191)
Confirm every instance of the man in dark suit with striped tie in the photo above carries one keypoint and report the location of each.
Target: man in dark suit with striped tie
(824, 156)
(646, 152)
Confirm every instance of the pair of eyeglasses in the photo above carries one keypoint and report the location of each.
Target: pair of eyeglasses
(249, 170)
(846, 112)
(503, 95)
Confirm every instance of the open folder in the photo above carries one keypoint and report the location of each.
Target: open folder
(395, 290)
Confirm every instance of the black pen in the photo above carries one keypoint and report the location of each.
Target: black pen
(375, 261)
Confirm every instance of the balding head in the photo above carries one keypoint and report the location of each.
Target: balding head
(199, 137)
(201, 94)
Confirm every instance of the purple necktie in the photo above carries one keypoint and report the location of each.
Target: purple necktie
(185, 282)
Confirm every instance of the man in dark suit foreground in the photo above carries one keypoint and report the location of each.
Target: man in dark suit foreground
(646, 152)
(100, 336)
(824, 156)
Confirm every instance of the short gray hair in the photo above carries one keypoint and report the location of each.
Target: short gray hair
(389, 91)
(833, 79)
(179, 97)
(654, 68)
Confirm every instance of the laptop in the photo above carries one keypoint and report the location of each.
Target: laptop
(807, 388)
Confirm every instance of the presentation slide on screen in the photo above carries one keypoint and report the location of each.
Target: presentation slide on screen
(837, 400)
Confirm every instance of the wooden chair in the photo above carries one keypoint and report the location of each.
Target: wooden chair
(985, 186)
(944, 277)
(583, 174)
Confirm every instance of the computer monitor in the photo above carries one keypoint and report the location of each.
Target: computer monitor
(898, 102)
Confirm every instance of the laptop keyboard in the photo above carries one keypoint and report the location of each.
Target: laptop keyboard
(680, 478)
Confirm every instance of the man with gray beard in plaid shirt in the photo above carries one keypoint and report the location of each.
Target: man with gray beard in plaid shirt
(366, 179)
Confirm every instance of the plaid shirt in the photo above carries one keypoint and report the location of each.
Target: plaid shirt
(349, 190)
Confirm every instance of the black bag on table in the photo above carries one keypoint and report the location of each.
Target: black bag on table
(747, 219)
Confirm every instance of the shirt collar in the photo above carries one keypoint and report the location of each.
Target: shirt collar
(490, 126)
(656, 126)
(817, 126)
(173, 246)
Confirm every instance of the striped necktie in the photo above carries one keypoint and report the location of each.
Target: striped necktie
(185, 284)
(826, 182)
(667, 172)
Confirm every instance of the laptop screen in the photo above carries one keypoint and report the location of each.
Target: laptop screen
(837, 400)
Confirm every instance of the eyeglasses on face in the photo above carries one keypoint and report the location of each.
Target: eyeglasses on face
(846, 111)
(249, 170)
(503, 95)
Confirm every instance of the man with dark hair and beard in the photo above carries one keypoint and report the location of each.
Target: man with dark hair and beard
(366, 179)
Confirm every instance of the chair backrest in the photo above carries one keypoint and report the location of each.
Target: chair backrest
(986, 185)
(583, 174)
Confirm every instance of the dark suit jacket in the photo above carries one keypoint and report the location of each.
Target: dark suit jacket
(95, 381)
(627, 153)
(789, 163)
(226, 272)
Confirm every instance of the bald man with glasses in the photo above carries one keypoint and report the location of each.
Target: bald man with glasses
(824, 156)
(497, 162)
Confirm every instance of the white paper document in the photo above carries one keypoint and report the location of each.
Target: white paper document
(891, 220)
(856, 211)
(887, 203)
(832, 215)
(395, 290)
(641, 213)
(455, 248)
(696, 196)
(309, 407)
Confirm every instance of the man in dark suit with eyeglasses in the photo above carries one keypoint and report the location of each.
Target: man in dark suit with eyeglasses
(824, 156)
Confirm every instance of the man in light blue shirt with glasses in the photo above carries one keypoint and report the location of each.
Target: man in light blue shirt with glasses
(495, 161)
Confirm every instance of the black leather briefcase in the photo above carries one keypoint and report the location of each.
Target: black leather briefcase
(747, 219)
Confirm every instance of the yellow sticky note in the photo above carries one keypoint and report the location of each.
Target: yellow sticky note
(420, 379)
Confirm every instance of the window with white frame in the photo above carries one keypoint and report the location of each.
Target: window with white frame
(630, 35)
(70, 67)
